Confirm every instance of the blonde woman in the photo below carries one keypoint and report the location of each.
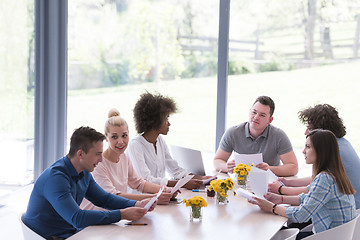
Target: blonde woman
(115, 172)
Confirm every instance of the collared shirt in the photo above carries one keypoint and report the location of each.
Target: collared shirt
(53, 208)
(324, 204)
(150, 165)
(115, 178)
(272, 143)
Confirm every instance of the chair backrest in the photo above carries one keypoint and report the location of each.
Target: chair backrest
(27, 232)
(344, 232)
(286, 234)
(356, 235)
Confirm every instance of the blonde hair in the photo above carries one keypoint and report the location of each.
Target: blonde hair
(114, 120)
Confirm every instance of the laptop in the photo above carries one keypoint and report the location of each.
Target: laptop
(188, 159)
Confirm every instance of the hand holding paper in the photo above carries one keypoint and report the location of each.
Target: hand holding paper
(152, 200)
(181, 182)
(245, 194)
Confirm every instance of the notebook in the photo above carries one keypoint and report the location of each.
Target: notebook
(188, 159)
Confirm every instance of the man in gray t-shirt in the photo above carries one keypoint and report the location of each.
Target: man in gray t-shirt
(258, 136)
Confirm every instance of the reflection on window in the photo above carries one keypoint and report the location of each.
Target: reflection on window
(16, 91)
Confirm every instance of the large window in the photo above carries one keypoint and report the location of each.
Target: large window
(119, 49)
(301, 56)
(16, 91)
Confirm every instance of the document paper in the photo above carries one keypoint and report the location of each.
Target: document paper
(245, 194)
(181, 182)
(258, 181)
(152, 200)
(248, 158)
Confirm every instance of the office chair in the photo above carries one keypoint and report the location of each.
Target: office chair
(286, 234)
(343, 232)
(27, 232)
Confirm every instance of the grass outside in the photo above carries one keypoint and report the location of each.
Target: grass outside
(194, 125)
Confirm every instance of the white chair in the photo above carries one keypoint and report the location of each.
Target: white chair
(344, 232)
(27, 232)
(286, 234)
(356, 235)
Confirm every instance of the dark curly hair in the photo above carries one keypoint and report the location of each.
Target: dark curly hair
(151, 110)
(323, 116)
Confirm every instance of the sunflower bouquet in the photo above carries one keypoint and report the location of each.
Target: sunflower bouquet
(196, 203)
(242, 170)
(221, 187)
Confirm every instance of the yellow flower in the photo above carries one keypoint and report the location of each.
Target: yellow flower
(242, 169)
(195, 201)
(223, 194)
(229, 183)
(222, 186)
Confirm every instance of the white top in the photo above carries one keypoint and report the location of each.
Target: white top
(115, 178)
(150, 165)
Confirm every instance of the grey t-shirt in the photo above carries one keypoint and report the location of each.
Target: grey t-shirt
(272, 143)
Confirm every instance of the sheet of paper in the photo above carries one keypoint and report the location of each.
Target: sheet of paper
(245, 194)
(181, 182)
(271, 176)
(258, 181)
(248, 158)
(207, 181)
(152, 200)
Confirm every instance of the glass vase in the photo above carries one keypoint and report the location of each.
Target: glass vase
(220, 200)
(195, 214)
(241, 180)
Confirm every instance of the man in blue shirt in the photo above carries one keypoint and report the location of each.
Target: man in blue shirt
(53, 210)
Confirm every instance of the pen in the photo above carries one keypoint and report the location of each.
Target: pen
(198, 190)
(281, 183)
(136, 224)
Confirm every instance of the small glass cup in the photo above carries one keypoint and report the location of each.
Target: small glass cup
(241, 180)
(220, 200)
(195, 214)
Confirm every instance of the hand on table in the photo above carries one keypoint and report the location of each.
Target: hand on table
(264, 204)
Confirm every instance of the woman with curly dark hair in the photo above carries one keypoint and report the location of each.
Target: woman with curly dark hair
(148, 151)
(325, 116)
